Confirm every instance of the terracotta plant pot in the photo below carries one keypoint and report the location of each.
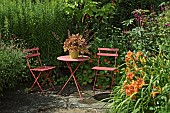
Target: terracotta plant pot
(74, 54)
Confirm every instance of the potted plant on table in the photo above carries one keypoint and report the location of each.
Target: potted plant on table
(75, 44)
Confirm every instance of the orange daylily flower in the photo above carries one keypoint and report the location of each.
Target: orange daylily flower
(140, 82)
(154, 94)
(136, 59)
(133, 87)
(130, 89)
(128, 92)
(129, 54)
(138, 54)
(130, 75)
(127, 59)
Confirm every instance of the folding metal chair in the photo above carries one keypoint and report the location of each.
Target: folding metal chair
(110, 65)
(37, 69)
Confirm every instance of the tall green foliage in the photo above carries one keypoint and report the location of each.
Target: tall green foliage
(37, 23)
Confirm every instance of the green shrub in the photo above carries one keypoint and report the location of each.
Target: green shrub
(150, 31)
(11, 66)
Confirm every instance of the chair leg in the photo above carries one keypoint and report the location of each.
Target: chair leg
(36, 81)
(95, 79)
(47, 74)
(51, 83)
(112, 78)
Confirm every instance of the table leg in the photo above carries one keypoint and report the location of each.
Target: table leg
(77, 84)
(72, 75)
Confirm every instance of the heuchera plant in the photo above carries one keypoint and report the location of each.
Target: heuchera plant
(76, 42)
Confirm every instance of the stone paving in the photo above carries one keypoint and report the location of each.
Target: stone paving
(17, 101)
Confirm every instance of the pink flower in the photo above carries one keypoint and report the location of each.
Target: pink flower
(167, 24)
(137, 17)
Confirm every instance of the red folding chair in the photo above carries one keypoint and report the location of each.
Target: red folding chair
(37, 69)
(110, 65)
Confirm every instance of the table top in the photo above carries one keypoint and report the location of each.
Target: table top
(68, 59)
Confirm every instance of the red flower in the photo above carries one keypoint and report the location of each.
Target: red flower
(90, 60)
(105, 60)
(95, 56)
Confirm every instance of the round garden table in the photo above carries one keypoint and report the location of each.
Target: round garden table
(68, 60)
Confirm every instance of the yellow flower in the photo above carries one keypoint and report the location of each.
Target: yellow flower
(143, 60)
(127, 69)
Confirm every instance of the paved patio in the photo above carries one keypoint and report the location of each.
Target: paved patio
(17, 101)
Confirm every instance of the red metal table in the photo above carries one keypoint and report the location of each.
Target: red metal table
(68, 60)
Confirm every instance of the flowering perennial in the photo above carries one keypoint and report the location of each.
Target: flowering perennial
(134, 81)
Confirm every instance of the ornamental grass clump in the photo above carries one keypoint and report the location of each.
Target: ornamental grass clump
(76, 42)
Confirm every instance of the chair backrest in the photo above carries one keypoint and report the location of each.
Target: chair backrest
(107, 52)
(33, 57)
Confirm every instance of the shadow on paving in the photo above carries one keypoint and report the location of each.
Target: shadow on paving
(17, 101)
